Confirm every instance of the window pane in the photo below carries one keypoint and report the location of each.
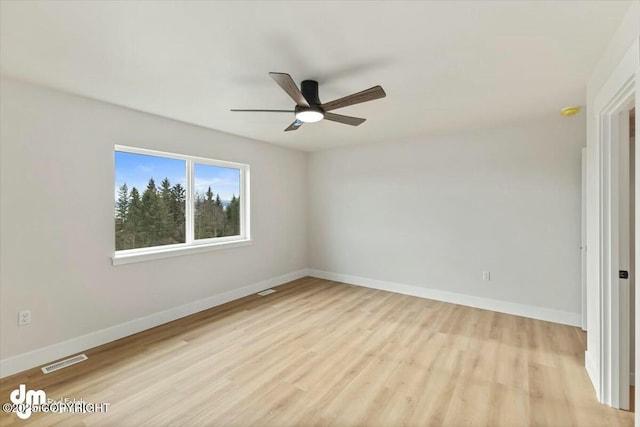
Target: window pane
(216, 201)
(149, 200)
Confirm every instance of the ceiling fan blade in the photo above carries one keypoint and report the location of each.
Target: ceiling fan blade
(263, 111)
(347, 120)
(285, 81)
(370, 94)
(294, 126)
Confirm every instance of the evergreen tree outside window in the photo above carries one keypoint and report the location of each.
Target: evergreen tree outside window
(214, 215)
(167, 201)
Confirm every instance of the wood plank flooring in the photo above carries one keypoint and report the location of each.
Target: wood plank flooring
(321, 353)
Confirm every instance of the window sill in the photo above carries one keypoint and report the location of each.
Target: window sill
(159, 253)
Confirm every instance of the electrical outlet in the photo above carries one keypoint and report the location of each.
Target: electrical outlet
(24, 317)
(486, 275)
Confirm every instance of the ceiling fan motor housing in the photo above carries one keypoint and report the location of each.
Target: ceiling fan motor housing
(309, 89)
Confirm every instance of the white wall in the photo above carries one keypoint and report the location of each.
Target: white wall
(57, 192)
(433, 213)
(626, 35)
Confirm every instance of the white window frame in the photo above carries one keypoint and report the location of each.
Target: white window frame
(191, 245)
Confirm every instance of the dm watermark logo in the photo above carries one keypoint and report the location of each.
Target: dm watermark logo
(25, 400)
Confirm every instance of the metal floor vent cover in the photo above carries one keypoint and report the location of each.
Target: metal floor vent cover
(64, 363)
(266, 292)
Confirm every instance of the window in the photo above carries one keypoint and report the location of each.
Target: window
(169, 204)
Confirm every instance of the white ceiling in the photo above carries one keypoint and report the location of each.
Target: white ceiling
(445, 65)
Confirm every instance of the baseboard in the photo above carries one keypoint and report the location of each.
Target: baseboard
(592, 372)
(533, 312)
(32, 359)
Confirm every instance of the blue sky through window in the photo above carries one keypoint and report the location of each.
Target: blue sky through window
(223, 181)
(137, 169)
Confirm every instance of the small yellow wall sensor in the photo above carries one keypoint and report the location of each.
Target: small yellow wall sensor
(570, 111)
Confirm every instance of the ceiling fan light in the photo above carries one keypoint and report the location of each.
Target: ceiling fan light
(309, 116)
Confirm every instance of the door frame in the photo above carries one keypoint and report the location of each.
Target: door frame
(614, 318)
(618, 95)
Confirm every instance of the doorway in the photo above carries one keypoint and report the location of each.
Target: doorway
(631, 254)
(626, 255)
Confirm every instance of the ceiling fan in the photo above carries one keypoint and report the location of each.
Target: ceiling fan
(308, 107)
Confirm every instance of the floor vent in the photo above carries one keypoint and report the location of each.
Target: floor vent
(266, 292)
(64, 363)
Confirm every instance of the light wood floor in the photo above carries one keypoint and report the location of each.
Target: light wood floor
(322, 353)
